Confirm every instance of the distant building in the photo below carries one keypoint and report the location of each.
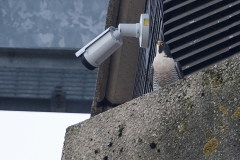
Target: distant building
(38, 68)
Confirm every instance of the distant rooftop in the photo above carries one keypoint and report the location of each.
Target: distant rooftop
(40, 83)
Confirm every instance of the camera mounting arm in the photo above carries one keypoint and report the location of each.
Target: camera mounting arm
(138, 30)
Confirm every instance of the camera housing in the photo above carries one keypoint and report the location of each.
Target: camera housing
(100, 48)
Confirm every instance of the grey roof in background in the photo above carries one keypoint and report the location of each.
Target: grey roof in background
(31, 78)
(40, 83)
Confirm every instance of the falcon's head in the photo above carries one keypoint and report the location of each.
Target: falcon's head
(163, 49)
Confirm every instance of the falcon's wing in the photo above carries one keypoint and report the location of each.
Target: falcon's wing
(179, 70)
(154, 80)
(151, 76)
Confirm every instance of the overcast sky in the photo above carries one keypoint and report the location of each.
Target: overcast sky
(34, 135)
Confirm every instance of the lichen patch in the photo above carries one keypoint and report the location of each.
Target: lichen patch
(210, 147)
(223, 110)
(223, 127)
(236, 114)
(208, 134)
(181, 128)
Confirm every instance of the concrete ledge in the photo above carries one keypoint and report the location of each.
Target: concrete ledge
(196, 118)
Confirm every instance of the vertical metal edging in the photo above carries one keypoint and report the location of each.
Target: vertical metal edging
(154, 8)
(153, 34)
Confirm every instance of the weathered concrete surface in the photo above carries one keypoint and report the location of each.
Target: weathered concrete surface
(196, 118)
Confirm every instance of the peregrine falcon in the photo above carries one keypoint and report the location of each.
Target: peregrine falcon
(165, 69)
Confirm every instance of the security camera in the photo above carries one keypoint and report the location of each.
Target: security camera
(100, 48)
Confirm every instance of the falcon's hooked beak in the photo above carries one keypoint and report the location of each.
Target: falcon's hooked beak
(160, 43)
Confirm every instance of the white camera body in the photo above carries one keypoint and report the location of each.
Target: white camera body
(100, 48)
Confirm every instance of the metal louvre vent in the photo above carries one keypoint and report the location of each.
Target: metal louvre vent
(199, 34)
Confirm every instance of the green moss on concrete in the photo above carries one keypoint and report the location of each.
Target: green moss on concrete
(120, 130)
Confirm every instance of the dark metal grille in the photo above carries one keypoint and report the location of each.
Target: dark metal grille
(199, 34)
(141, 70)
